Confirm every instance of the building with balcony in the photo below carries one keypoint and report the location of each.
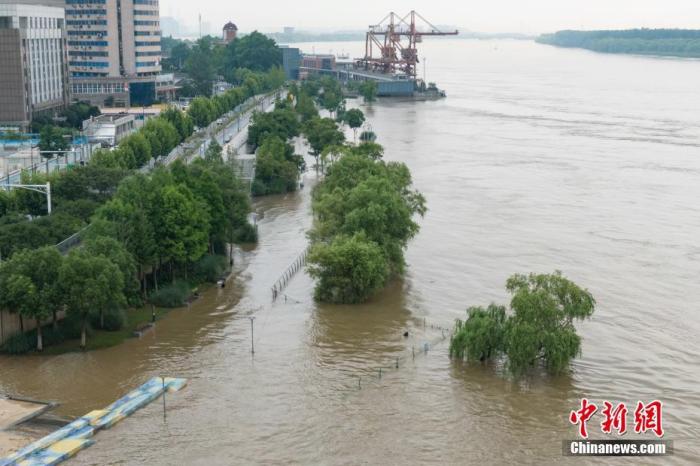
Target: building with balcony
(114, 51)
(33, 61)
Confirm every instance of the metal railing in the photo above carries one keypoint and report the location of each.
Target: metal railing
(289, 272)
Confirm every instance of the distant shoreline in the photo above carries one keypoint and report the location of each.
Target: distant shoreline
(356, 36)
(678, 43)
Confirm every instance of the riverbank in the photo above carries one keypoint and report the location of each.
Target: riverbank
(658, 42)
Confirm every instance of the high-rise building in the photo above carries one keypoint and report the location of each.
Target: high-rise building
(114, 50)
(33, 72)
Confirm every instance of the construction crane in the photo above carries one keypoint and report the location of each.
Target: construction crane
(396, 39)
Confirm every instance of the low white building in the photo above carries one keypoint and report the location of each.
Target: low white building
(109, 128)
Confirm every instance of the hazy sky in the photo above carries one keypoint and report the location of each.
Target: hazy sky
(475, 15)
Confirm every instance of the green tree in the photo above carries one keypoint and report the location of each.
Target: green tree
(117, 254)
(162, 136)
(321, 133)
(349, 269)
(369, 149)
(282, 123)
(182, 123)
(214, 152)
(17, 294)
(89, 284)
(201, 112)
(199, 66)
(179, 224)
(276, 168)
(28, 282)
(355, 119)
(52, 141)
(368, 90)
(540, 328)
(305, 107)
(5, 203)
(178, 56)
(78, 112)
(198, 177)
(128, 222)
(370, 201)
(481, 336)
(139, 147)
(254, 52)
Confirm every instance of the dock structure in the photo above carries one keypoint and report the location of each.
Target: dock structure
(15, 411)
(67, 441)
(391, 58)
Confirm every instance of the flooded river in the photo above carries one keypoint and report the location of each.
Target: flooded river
(539, 159)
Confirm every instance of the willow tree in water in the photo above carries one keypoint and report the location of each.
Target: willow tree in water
(539, 330)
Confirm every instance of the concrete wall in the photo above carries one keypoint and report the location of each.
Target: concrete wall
(9, 324)
(395, 88)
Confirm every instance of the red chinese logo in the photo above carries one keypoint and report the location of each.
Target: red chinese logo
(582, 416)
(647, 417)
(614, 418)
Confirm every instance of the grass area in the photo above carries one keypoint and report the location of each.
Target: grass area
(103, 339)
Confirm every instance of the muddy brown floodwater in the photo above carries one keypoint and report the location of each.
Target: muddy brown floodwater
(539, 159)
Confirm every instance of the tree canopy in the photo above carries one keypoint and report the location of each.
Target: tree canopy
(665, 42)
(539, 329)
(361, 200)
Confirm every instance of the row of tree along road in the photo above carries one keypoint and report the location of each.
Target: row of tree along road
(152, 237)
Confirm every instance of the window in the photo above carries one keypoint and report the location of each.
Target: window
(99, 34)
(84, 53)
(87, 12)
(92, 64)
(86, 22)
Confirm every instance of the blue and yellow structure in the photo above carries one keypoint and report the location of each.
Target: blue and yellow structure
(67, 441)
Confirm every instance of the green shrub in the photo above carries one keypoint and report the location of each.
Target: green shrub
(18, 344)
(51, 336)
(246, 234)
(209, 268)
(114, 319)
(173, 295)
(71, 327)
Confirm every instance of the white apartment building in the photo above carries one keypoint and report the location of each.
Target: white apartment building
(114, 50)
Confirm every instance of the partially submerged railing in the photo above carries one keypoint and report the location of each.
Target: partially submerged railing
(293, 268)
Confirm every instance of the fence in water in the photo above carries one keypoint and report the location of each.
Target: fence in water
(373, 375)
(293, 268)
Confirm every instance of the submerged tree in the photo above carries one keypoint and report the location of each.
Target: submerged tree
(350, 269)
(540, 328)
(354, 118)
(368, 90)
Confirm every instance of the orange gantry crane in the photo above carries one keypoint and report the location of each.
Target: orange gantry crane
(396, 39)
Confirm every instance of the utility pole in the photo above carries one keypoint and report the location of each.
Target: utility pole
(40, 188)
(252, 341)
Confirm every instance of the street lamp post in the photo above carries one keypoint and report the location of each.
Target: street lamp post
(40, 188)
